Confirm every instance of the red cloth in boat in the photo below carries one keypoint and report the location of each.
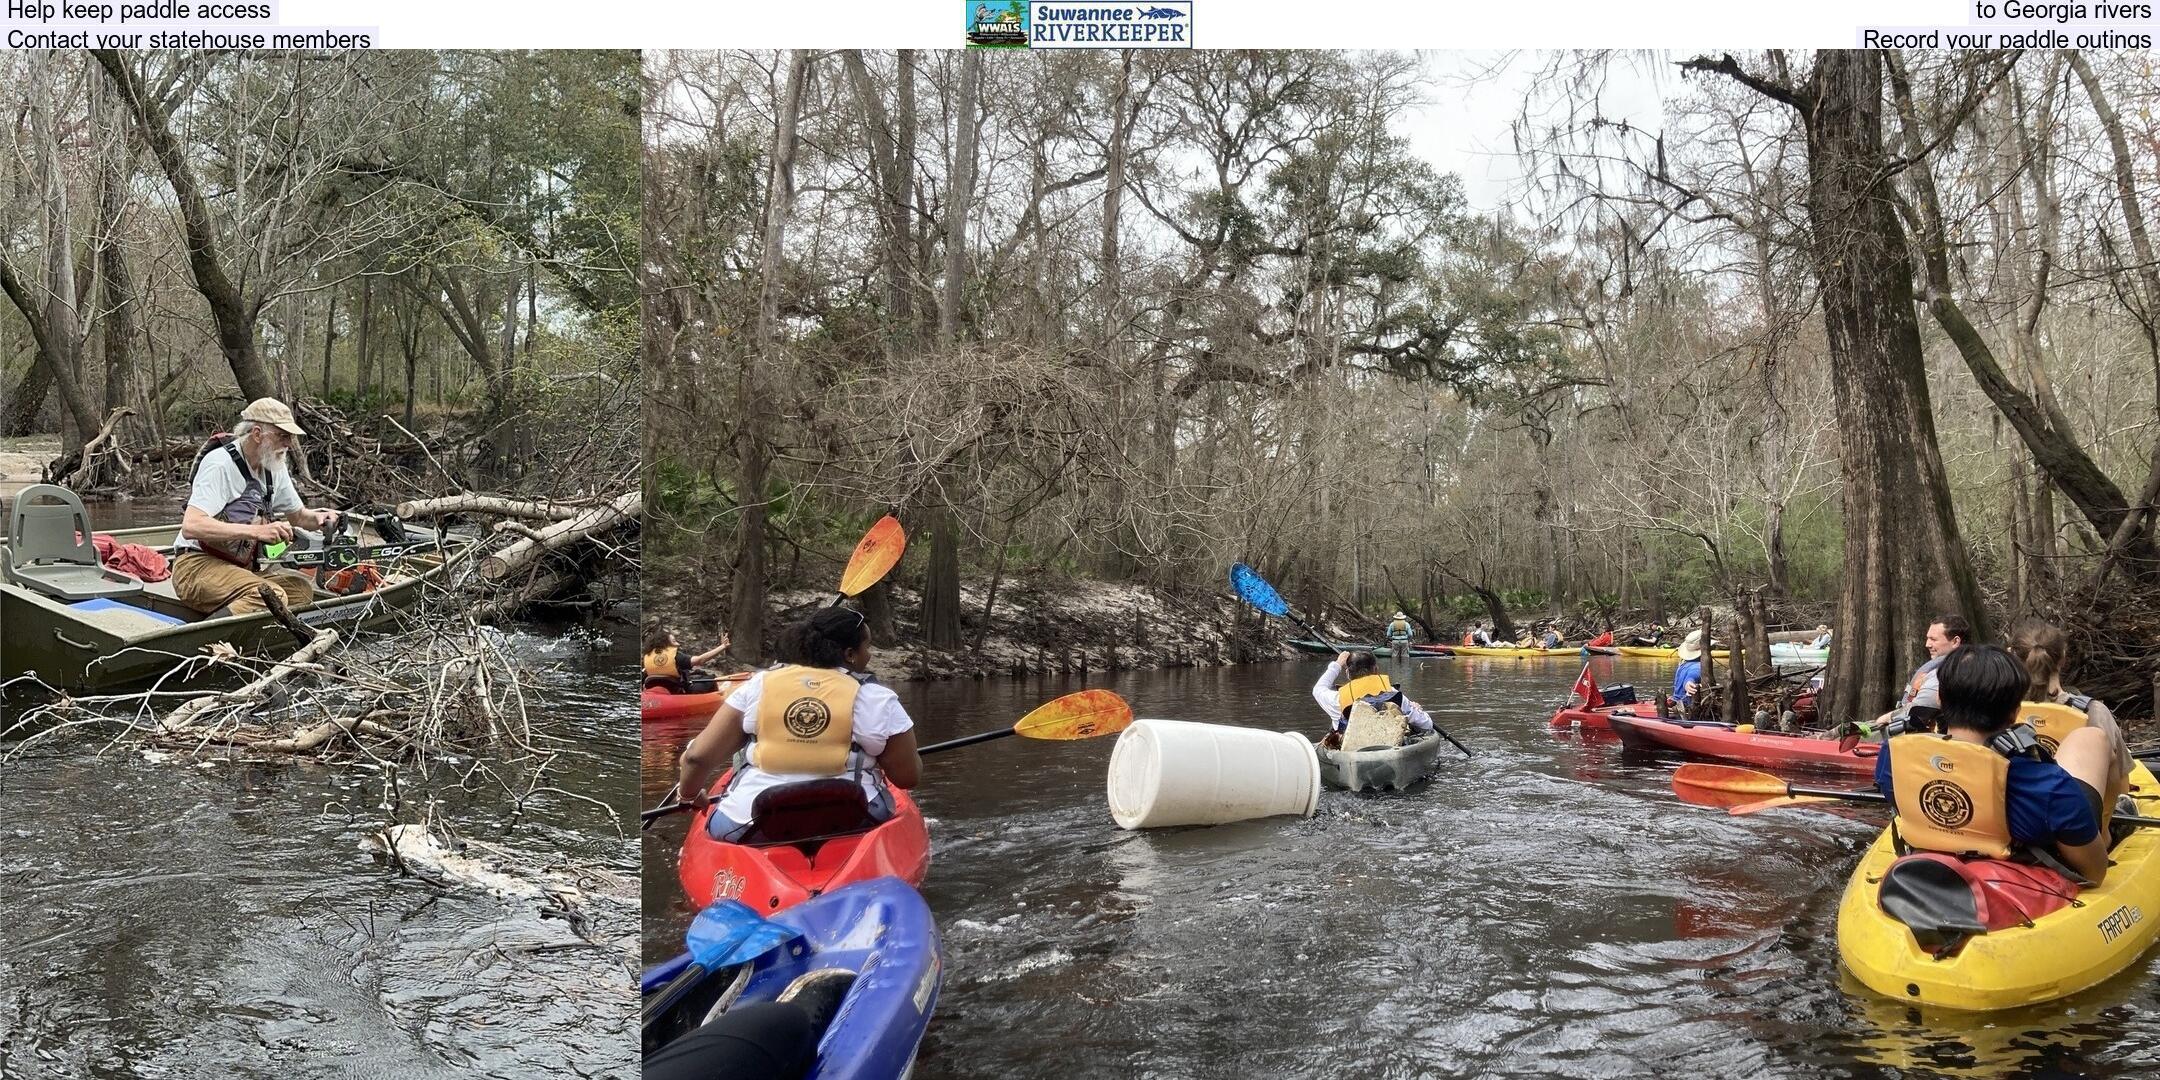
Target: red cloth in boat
(1601, 641)
(144, 563)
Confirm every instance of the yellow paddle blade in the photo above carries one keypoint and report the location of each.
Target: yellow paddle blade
(1772, 804)
(878, 552)
(1082, 715)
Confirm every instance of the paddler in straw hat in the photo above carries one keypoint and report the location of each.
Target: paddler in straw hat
(242, 499)
(1687, 678)
(1364, 684)
(1398, 630)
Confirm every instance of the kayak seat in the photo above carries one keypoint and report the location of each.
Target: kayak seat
(50, 551)
(809, 813)
(1946, 900)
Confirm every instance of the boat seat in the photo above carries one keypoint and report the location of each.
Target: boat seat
(808, 812)
(50, 550)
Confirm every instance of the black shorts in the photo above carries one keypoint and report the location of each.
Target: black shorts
(2093, 799)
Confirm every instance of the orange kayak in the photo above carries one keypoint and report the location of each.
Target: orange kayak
(657, 704)
(771, 875)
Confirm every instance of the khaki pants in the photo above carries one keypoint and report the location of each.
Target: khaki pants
(207, 583)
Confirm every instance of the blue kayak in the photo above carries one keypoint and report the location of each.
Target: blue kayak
(876, 938)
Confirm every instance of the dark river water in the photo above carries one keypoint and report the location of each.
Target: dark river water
(1546, 909)
(167, 918)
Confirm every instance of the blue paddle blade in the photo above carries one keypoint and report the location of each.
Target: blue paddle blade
(728, 932)
(1256, 591)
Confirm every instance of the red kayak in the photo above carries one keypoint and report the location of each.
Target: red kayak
(656, 704)
(810, 839)
(1753, 748)
(1594, 719)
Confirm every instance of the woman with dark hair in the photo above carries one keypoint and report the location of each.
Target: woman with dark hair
(1360, 680)
(669, 666)
(2045, 651)
(819, 715)
(2050, 808)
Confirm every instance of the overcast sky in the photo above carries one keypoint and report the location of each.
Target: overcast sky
(1475, 96)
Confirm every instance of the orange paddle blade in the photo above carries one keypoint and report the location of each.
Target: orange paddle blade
(1772, 804)
(1727, 779)
(876, 555)
(1082, 715)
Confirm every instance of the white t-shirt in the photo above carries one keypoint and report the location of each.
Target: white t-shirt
(878, 717)
(218, 482)
(1325, 692)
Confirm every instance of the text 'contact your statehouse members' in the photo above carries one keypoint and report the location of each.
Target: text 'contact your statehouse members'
(168, 25)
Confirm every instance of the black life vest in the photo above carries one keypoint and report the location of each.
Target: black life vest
(252, 505)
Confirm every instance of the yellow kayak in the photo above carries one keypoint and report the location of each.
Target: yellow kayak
(1511, 650)
(1653, 652)
(2060, 953)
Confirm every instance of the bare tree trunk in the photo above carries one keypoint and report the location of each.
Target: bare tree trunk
(2046, 432)
(753, 453)
(229, 310)
(1904, 558)
(2147, 273)
(27, 399)
(364, 342)
(941, 586)
(959, 200)
(941, 582)
(329, 336)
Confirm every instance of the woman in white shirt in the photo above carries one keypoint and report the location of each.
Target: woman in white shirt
(819, 715)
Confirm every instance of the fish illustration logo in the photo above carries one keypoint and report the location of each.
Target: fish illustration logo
(1162, 13)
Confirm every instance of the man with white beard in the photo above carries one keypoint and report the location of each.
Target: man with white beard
(243, 498)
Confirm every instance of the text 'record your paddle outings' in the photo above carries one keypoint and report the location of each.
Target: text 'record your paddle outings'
(2021, 24)
(219, 24)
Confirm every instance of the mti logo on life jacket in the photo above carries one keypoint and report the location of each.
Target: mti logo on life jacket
(806, 718)
(1945, 804)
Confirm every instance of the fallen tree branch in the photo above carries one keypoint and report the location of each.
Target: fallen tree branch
(490, 504)
(562, 534)
(103, 445)
(182, 718)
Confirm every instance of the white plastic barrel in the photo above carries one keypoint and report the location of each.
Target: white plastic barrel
(1172, 772)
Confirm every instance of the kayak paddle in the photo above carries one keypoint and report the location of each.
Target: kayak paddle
(875, 555)
(1255, 590)
(1711, 785)
(1082, 715)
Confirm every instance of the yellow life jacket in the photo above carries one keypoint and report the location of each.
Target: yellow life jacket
(1399, 627)
(1361, 687)
(805, 722)
(1951, 795)
(660, 664)
(2050, 722)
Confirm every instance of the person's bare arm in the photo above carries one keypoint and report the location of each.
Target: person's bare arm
(2090, 859)
(198, 526)
(710, 752)
(900, 763)
(709, 655)
(305, 518)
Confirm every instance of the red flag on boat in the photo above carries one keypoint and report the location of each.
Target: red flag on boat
(1586, 688)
